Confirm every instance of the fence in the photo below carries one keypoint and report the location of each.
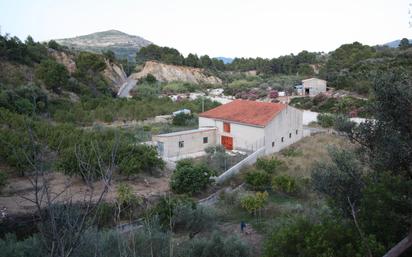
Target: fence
(251, 159)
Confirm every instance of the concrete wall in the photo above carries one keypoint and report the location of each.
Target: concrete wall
(315, 86)
(245, 137)
(250, 160)
(285, 125)
(192, 142)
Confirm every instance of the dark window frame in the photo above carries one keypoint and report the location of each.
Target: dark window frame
(181, 144)
(205, 140)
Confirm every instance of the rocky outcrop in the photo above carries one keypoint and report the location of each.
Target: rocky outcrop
(168, 73)
(115, 74)
(64, 58)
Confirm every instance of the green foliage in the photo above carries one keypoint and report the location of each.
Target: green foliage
(183, 119)
(257, 179)
(329, 237)
(341, 181)
(268, 165)
(14, 50)
(326, 120)
(285, 184)
(3, 178)
(191, 178)
(110, 55)
(404, 43)
(56, 46)
(87, 61)
(388, 139)
(291, 152)
(169, 207)
(54, 75)
(29, 247)
(179, 87)
(254, 202)
(28, 99)
(386, 198)
(217, 246)
(134, 159)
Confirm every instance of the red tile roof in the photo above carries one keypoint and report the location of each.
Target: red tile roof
(247, 112)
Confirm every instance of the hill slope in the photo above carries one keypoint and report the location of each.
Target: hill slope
(394, 44)
(122, 44)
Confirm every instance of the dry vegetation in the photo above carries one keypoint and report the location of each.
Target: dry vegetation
(298, 158)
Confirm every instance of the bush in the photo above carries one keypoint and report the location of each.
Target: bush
(183, 119)
(29, 247)
(291, 152)
(257, 179)
(3, 178)
(326, 120)
(54, 75)
(268, 165)
(304, 238)
(254, 202)
(217, 246)
(285, 184)
(191, 178)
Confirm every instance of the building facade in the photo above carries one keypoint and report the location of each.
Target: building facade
(239, 125)
(313, 86)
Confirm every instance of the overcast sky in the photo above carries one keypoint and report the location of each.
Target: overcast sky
(248, 28)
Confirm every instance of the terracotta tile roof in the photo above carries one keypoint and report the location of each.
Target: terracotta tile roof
(247, 112)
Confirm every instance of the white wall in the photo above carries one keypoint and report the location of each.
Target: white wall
(288, 121)
(193, 142)
(245, 137)
(315, 86)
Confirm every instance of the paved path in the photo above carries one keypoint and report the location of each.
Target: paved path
(126, 87)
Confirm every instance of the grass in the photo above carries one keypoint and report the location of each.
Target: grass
(298, 158)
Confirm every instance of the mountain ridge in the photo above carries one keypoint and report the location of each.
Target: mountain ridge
(122, 44)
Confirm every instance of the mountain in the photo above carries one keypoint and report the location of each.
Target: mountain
(226, 60)
(122, 44)
(395, 43)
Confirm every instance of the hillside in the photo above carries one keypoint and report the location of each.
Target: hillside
(122, 44)
(168, 73)
(395, 43)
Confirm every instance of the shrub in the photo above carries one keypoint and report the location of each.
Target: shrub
(304, 238)
(182, 119)
(257, 179)
(254, 202)
(3, 178)
(217, 246)
(54, 75)
(284, 184)
(291, 152)
(326, 120)
(191, 178)
(168, 208)
(268, 165)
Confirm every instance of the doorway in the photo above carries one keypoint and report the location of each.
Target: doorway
(227, 142)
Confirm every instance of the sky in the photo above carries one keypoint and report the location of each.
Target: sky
(230, 28)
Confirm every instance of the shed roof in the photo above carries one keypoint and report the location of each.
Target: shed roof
(246, 112)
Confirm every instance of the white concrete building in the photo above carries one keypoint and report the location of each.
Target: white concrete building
(238, 125)
(313, 86)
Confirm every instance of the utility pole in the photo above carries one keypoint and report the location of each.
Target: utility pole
(203, 103)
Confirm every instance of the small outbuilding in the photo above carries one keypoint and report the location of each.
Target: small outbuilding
(313, 87)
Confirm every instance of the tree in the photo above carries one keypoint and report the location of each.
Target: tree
(110, 55)
(340, 180)
(54, 75)
(192, 60)
(190, 178)
(404, 43)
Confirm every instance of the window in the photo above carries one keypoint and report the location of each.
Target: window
(290, 135)
(181, 144)
(205, 140)
(273, 144)
(296, 132)
(226, 127)
(282, 139)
